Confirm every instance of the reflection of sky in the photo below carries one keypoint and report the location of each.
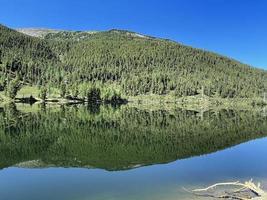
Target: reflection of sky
(242, 162)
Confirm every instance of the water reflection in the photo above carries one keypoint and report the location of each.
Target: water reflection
(117, 138)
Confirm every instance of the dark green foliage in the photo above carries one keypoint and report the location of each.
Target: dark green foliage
(93, 94)
(138, 64)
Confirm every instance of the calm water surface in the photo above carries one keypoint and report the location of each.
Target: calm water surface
(102, 152)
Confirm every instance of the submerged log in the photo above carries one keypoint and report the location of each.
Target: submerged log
(239, 191)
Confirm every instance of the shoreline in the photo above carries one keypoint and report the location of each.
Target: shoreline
(157, 102)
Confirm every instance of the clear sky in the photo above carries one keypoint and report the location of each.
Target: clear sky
(235, 28)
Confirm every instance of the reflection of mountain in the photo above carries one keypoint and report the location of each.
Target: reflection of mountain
(117, 139)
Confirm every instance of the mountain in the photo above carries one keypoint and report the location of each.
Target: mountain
(36, 32)
(72, 35)
(132, 63)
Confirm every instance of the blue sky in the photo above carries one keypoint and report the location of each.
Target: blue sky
(235, 28)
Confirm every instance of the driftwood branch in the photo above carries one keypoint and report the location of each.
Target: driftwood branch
(245, 191)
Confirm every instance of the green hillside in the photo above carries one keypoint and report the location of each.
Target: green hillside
(130, 63)
(23, 56)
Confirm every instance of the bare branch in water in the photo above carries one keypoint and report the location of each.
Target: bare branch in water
(245, 191)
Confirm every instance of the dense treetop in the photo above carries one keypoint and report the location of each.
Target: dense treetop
(133, 63)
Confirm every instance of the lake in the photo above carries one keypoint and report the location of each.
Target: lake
(104, 152)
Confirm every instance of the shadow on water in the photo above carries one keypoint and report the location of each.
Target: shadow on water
(118, 138)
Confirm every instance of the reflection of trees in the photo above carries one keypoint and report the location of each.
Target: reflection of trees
(120, 138)
(93, 108)
(10, 117)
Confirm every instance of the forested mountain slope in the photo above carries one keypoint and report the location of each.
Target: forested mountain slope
(24, 56)
(133, 63)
